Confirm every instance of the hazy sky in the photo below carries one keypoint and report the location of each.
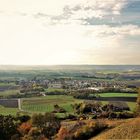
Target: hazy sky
(69, 32)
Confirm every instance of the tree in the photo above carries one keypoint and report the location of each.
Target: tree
(47, 123)
(58, 109)
(8, 127)
(38, 120)
(24, 128)
(24, 118)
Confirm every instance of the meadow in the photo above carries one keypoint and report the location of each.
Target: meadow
(118, 94)
(9, 92)
(45, 104)
(7, 111)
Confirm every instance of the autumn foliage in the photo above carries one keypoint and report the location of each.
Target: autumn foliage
(24, 128)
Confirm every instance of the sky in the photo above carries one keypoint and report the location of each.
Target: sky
(53, 32)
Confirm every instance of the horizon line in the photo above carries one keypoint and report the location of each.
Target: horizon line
(69, 64)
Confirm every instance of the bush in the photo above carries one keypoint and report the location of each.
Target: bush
(48, 124)
(24, 128)
(112, 115)
(125, 115)
(63, 134)
(8, 127)
(58, 109)
(89, 130)
(81, 130)
(24, 118)
(34, 134)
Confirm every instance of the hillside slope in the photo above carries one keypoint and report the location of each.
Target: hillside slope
(126, 130)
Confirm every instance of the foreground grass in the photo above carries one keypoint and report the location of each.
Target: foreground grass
(129, 129)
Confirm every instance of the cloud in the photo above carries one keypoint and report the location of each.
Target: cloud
(81, 10)
(106, 30)
(64, 11)
(28, 42)
(97, 8)
(58, 32)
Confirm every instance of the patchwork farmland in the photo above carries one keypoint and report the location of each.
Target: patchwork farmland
(46, 104)
(42, 88)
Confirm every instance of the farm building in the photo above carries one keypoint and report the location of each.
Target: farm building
(55, 85)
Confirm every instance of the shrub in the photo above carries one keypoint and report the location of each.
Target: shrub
(58, 109)
(24, 118)
(125, 115)
(112, 115)
(63, 134)
(24, 128)
(48, 124)
(15, 137)
(8, 127)
(34, 134)
(89, 130)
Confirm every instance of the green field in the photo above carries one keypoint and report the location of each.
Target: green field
(8, 92)
(45, 104)
(54, 89)
(7, 84)
(131, 105)
(118, 94)
(7, 111)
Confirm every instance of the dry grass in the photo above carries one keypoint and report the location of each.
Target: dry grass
(81, 130)
(129, 129)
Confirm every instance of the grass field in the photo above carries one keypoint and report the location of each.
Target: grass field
(7, 111)
(131, 105)
(8, 92)
(54, 89)
(45, 104)
(7, 84)
(118, 95)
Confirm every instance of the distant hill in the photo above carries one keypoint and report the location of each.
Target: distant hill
(73, 67)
